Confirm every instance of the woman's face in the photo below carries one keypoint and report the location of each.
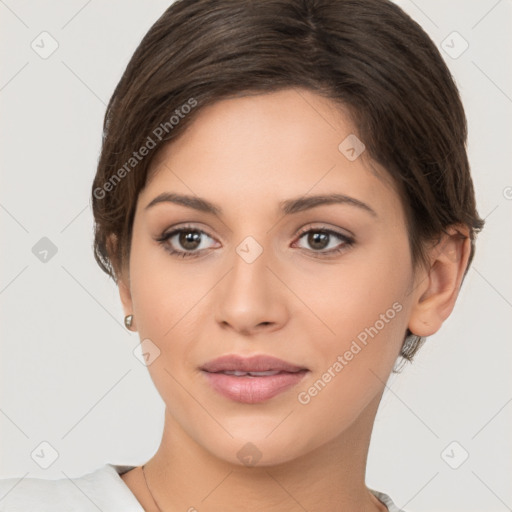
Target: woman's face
(323, 286)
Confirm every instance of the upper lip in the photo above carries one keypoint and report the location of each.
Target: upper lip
(257, 363)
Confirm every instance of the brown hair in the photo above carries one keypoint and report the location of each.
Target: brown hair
(365, 55)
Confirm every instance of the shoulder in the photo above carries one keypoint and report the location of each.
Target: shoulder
(97, 490)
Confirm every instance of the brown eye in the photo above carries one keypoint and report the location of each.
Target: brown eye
(325, 241)
(185, 242)
(318, 240)
(189, 240)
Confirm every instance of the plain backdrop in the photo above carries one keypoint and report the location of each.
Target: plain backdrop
(70, 378)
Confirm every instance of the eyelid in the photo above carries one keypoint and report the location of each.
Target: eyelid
(192, 226)
(166, 235)
(176, 229)
(327, 229)
(346, 240)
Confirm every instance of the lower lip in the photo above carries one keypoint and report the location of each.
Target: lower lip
(253, 390)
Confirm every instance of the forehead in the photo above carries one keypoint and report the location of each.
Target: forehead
(273, 146)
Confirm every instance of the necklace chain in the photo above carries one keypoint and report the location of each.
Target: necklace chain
(149, 490)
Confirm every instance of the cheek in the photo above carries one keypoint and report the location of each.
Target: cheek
(163, 294)
(165, 303)
(365, 291)
(366, 311)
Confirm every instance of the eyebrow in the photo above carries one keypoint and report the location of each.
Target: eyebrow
(288, 207)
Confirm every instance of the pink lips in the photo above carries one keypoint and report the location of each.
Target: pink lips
(251, 379)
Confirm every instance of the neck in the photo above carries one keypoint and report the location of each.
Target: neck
(182, 475)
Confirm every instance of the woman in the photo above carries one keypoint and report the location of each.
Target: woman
(283, 198)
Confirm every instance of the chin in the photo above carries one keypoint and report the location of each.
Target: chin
(255, 448)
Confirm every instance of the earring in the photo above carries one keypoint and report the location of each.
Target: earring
(128, 320)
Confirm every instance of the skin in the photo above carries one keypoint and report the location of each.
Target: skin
(245, 155)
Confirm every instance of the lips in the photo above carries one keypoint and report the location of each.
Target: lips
(237, 373)
(253, 364)
(253, 379)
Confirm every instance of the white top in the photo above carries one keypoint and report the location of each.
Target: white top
(103, 489)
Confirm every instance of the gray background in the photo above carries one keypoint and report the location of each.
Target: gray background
(68, 372)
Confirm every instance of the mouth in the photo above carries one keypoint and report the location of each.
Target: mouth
(237, 373)
(251, 380)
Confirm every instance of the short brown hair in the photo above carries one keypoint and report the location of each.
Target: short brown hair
(368, 56)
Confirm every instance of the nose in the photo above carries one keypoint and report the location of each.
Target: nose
(250, 299)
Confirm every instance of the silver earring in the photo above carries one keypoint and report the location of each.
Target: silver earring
(128, 320)
(409, 342)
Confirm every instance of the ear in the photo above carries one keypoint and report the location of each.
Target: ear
(123, 282)
(437, 287)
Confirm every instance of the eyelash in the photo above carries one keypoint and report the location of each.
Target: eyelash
(163, 239)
